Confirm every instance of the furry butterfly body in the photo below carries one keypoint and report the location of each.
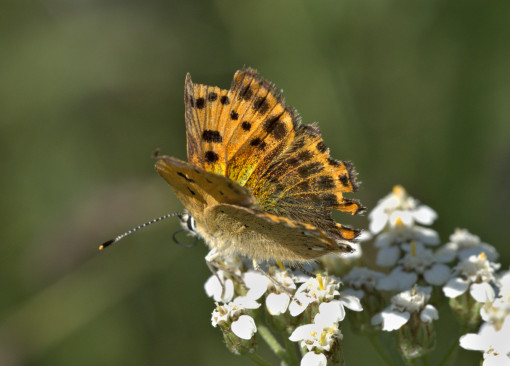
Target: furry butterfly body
(258, 182)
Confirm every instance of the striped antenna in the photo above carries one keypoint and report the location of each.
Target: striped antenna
(129, 232)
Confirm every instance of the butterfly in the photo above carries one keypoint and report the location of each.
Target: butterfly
(258, 183)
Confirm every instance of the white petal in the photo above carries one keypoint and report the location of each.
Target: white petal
(428, 314)
(314, 359)
(391, 320)
(496, 360)
(427, 236)
(438, 274)
(482, 292)
(383, 240)
(378, 221)
(257, 284)
(405, 217)
(244, 327)
(455, 287)
(446, 253)
(472, 341)
(294, 308)
(377, 319)
(214, 289)
(425, 215)
(498, 339)
(277, 304)
(330, 312)
(388, 257)
(303, 331)
(351, 302)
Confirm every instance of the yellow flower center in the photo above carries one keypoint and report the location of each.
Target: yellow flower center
(280, 264)
(323, 337)
(399, 222)
(398, 190)
(321, 283)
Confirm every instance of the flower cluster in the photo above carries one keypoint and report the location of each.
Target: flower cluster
(317, 304)
(399, 293)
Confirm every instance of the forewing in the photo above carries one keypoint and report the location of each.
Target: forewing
(197, 188)
(237, 132)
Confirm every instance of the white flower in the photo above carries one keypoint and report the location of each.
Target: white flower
(474, 273)
(494, 343)
(463, 244)
(363, 279)
(398, 279)
(276, 302)
(401, 233)
(398, 200)
(314, 290)
(318, 337)
(418, 262)
(215, 289)
(314, 359)
(232, 314)
(403, 305)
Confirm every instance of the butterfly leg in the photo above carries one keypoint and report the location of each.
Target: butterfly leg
(210, 260)
(214, 263)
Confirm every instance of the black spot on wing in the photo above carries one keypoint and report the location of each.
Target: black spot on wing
(261, 105)
(246, 125)
(276, 127)
(212, 97)
(325, 182)
(246, 93)
(255, 142)
(304, 155)
(224, 100)
(310, 169)
(211, 156)
(200, 103)
(333, 162)
(329, 200)
(321, 147)
(234, 115)
(344, 179)
(185, 177)
(211, 136)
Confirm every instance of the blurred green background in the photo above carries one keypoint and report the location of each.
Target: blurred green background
(414, 93)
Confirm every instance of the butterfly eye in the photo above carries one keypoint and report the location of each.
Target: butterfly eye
(191, 224)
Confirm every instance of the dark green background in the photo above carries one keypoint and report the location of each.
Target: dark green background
(413, 92)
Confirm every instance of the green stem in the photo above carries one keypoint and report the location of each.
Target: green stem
(291, 351)
(411, 361)
(451, 354)
(271, 341)
(374, 339)
(257, 359)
